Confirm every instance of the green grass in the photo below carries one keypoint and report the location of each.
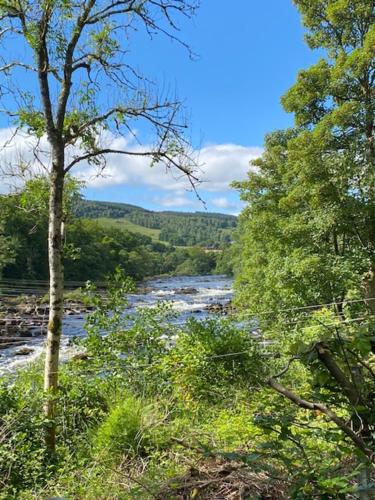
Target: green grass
(130, 226)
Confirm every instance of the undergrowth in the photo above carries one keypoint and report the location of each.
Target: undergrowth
(155, 410)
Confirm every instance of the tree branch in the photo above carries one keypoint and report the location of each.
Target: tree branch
(68, 65)
(145, 112)
(157, 154)
(43, 64)
(308, 405)
(328, 361)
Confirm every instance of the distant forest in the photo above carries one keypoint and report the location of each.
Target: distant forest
(177, 228)
(94, 246)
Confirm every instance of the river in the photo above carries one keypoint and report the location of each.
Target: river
(189, 296)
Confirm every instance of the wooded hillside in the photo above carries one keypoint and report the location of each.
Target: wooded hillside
(177, 228)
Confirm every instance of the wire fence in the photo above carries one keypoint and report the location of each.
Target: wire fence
(18, 285)
(37, 314)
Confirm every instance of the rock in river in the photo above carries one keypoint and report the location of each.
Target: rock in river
(24, 351)
(186, 291)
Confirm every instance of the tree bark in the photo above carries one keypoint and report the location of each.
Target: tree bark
(55, 255)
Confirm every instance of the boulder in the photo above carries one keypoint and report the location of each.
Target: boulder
(187, 291)
(220, 308)
(24, 351)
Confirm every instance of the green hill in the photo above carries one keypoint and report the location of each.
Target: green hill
(95, 209)
(206, 229)
(126, 224)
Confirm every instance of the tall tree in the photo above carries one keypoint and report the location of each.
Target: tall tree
(83, 95)
(307, 234)
(334, 101)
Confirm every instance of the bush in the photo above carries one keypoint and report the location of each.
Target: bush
(121, 432)
(22, 454)
(211, 360)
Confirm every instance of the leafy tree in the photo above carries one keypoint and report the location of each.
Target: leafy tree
(74, 52)
(197, 262)
(224, 263)
(307, 235)
(6, 243)
(25, 224)
(27, 228)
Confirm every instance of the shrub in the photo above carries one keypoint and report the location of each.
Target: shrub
(211, 360)
(22, 455)
(121, 431)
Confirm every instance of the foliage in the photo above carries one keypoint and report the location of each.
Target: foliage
(7, 245)
(27, 229)
(22, 458)
(149, 398)
(197, 262)
(225, 260)
(212, 360)
(176, 228)
(306, 241)
(88, 209)
(34, 197)
(120, 432)
(92, 250)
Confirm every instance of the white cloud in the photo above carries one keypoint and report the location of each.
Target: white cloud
(222, 202)
(18, 161)
(220, 165)
(232, 206)
(176, 201)
(224, 163)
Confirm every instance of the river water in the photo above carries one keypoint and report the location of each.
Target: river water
(189, 296)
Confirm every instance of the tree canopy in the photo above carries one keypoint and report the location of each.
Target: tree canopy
(306, 239)
(310, 219)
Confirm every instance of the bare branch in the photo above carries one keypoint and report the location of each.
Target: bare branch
(157, 154)
(130, 6)
(286, 368)
(8, 67)
(363, 363)
(112, 9)
(143, 112)
(328, 361)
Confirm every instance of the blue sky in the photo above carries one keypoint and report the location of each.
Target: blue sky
(248, 56)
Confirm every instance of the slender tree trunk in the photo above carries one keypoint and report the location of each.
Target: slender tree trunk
(55, 256)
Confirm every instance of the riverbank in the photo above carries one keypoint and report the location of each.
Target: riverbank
(136, 432)
(191, 419)
(23, 319)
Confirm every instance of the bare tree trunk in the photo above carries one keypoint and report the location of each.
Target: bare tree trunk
(55, 256)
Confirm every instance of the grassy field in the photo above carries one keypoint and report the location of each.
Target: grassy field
(134, 228)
